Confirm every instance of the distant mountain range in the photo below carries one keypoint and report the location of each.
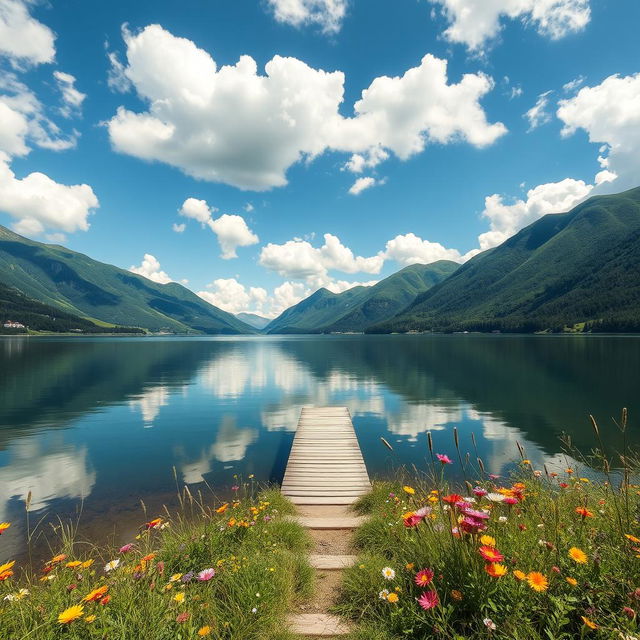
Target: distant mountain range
(564, 269)
(577, 270)
(80, 286)
(356, 309)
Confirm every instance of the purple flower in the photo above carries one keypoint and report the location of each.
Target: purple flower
(267, 518)
(126, 548)
(444, 458)
(187, 577)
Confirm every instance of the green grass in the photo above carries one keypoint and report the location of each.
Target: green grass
(260, 567)
(535, 534)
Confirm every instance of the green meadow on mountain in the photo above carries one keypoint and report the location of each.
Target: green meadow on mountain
(564, 269)
(360, 307)
(81, 286)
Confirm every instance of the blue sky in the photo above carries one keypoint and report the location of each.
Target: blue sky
(537, 108)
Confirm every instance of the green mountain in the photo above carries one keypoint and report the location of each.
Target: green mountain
(76, 284)
(564, 269)
(253, 320)
(358, 308)
(16, 307)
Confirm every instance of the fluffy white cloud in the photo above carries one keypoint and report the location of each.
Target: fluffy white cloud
(71, 97)
(233, 125)
(610, 114)
(150, 268)
(507, 219)
(361, 184)
(372, 158)
(410, 249)
(37, 202)
(230, 295)
(475, 22)
(300, 260)
(178, 228)
(538, 114)
(14, 128)
(328, 14)
(22, 38)
(231, 230)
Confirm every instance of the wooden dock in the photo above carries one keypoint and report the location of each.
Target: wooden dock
(325, 464)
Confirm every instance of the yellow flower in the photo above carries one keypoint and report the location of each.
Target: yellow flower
(393, 597)
(409, 490)
(71, 614)
(86, 565)
(73, 564)
(519, 575)
(204, 631)
(488, 541)
(175, 577)
(179, 597)
(632, 538)
(526, 462)
(90, 619)
(537, 581)
(589, 623)
(572, 581)
(409, 566)
(578, 555)
(4, 526)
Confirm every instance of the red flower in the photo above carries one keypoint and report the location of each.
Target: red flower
(490, 554)
(424, 577)
(105, 600)
(412, 521)
(452, 499)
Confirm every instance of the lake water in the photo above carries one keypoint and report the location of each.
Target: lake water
(104, 421)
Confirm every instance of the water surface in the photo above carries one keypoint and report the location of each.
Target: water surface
(105, 420)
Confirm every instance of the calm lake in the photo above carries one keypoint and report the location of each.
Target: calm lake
(103, 421)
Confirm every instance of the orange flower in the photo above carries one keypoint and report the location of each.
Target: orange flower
(205, 631)
(57, 559)
(4, 526)
(519, 575)
(154, 523)
(96, 594)
(589, 623)
(632, 538)
(456, 595)
(578, 555)
(537, 581)
(584, 512)
(572, 581)
(221, 509)
(73, 564)
(5, 570)
(496, 570)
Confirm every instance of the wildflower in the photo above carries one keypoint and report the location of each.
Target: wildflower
(526, 462)
(154, 524)
(5, 570)
(113, 564)
(105, 601)
(383, 594)
(96, 594)
(4, 526)
(490, 554)
(187, 577)
(179, 597)
(572, 581)
(90, 619)
(182, 617)
(510, 500)
(409, 490)
(629, 612)
(452, 498)
(254, 610)
(428, 600)
(489, 541)
(632, 538)
(126, 548)
(424, 577)
(175, 577)
(206, 575)
(456, 595)
(388, 573)
(409, 566)
(578, 555)
(589, 623)
(537, 581)
(584, 512)
(502, 519)
(393, 598)
(444, 458)
(519, 575)
(71, 614)
(495, 497)
(205, 631)
(496, 570)
(235, 487)
(87, 563)
(490, 624)
(73, 564)
(223, 508)
(480, 492)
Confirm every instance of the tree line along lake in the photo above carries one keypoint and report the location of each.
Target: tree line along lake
(103, 422)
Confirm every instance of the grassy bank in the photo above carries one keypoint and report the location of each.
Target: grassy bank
(540, 555)
(229, 571)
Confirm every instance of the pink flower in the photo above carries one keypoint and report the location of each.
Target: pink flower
(424, 577)
(444, 458)
(182, 617)
(494, 476)
(423, 512)
(412, 521)
(477, 515)
(428, 600)
(510, 501)
(206, 575)
(480, 492)
(235, 487)
(126, 548)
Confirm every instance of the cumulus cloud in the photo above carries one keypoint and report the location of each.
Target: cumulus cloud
(474, 23)
(362, 184)
(327, 14)
(231, 230)
(230, 295)
(538, 114)
(507, 219)
(610, 115)
(150, 268)
(410, 249)
(372, 158)
(37, 202)
(300, 260)
(233, 125)
(71, 97)
(23, 39)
